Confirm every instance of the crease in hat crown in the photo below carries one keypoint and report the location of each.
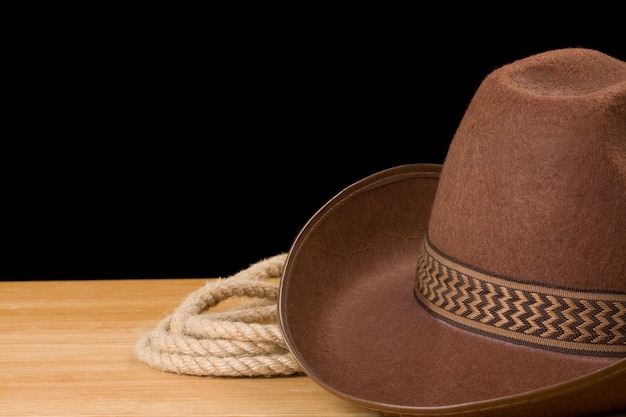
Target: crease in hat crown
(527, 236)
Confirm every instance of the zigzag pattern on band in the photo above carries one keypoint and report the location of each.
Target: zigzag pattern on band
(566, 320)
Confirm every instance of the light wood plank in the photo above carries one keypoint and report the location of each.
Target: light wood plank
(67, 350)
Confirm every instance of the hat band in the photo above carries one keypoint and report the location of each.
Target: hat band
(553, 318)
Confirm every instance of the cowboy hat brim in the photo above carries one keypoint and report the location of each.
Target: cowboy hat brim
(349, 316)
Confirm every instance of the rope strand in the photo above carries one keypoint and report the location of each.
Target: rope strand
(242, 341)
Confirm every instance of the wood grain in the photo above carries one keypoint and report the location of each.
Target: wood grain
(67, 350)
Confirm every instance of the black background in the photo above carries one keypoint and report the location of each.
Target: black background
(193, 143)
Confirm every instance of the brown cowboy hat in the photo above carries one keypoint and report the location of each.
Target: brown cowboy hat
(496, 288)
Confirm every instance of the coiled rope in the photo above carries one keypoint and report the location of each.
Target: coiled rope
(244, 340)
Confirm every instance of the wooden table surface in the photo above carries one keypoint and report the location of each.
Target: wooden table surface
(67, 350)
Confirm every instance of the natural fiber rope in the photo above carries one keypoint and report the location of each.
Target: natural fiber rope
(242, 341)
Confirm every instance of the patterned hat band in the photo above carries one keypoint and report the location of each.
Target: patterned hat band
(552, 318)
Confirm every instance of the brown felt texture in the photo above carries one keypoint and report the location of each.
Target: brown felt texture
(534, 183)
(533, 188)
